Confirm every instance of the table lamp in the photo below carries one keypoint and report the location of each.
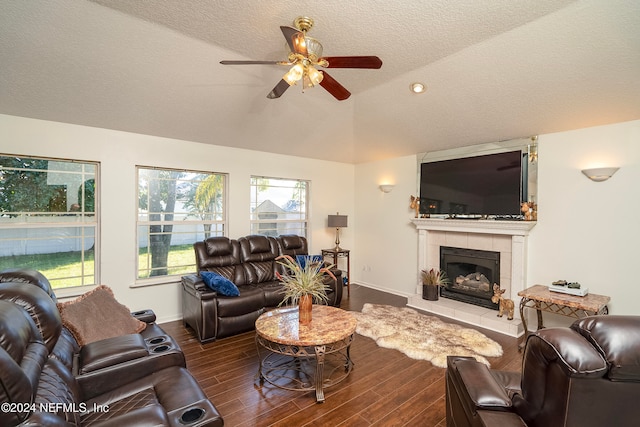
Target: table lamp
(337, 221)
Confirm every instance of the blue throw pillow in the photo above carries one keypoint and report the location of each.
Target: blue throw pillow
(303, 259)
(220, 284)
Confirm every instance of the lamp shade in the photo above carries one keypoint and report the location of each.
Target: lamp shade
(337, 221)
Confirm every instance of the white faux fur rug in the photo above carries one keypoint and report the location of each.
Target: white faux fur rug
(423, 337)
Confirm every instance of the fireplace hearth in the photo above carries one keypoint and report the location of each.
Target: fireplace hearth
(471, 273)
(509, 238)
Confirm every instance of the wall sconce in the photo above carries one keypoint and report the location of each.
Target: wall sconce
(599, 174)
(386, 188)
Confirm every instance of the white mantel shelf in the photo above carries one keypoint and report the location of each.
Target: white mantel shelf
(487, 226)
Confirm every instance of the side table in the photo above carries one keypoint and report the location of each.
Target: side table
(335, 254)
(540, 298)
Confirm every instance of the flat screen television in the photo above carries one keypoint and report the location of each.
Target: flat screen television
(485, 185)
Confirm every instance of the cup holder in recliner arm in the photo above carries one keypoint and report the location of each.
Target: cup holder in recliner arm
(192, 415)
(161, 348)
(156, 340)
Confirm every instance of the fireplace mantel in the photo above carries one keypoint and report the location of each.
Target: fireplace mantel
(486, 226)
(511, 239)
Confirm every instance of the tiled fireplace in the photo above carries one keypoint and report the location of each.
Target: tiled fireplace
(508, 238)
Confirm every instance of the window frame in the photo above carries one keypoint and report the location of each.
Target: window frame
(86, 220)
(305, 220)
(139, 224)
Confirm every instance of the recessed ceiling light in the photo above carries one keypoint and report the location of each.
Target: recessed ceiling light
(418, 87)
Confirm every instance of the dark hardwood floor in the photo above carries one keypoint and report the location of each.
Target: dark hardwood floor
(385, 388)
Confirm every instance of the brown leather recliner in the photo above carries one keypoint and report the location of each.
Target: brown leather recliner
(42, 383)
(94, 365)
(250, 263)
(586, 375)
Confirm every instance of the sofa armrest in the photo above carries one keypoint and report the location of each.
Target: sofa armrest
(472, 389)
(146, 316)
(113, 362)
(193, 285)
(500, 419)
(479, 386)
(335, 285)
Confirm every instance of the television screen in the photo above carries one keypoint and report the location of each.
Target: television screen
(482, 185)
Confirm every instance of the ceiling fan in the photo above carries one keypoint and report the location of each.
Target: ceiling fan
(305, 56)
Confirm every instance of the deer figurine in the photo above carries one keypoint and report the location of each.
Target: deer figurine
(415, 205)
(505, 304)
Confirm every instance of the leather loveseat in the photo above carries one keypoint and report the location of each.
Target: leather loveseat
(587, 375)
(47, 379)
(250, 263)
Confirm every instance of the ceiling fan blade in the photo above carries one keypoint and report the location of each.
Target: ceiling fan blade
(334, 88)
(255, 63)
(295, 40)
(353, 61)
(279, 89)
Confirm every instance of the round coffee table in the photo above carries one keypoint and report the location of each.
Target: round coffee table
(305, 358)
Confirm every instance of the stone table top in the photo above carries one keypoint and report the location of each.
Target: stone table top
(589, 302)
(328, 325)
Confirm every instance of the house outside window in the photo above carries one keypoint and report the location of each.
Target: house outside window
(49, 218)
(176, 208)
(279, 206)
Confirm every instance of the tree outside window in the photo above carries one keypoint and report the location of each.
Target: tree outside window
(48, 218)
(176, 209)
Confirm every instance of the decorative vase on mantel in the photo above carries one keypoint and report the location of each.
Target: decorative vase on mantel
(305, 308)
(431, 282)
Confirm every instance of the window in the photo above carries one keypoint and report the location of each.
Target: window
(176, 208)
(279, 206)
(48, 218)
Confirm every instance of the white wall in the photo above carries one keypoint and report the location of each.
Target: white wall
(386, 250)
(589, 231)
(332, 187)
(586, 232)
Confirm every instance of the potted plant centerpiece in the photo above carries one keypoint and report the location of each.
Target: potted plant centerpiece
(431, 282)
(302, 284)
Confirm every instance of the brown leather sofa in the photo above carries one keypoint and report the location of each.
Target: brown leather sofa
(47, 379)
(250, 263)
(586, 375)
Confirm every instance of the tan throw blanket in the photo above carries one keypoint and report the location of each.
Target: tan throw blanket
(423, 337)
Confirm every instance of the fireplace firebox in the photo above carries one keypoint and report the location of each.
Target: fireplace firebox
(471, 273)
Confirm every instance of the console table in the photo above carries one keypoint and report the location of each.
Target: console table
(335, 254)
(540, 298)
(305, 358)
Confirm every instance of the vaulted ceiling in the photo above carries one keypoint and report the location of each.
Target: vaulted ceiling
(494, 70)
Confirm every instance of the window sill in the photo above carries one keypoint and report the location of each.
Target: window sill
(73, 292)
(164, 280)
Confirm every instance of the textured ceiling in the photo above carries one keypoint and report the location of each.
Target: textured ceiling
(495, 69)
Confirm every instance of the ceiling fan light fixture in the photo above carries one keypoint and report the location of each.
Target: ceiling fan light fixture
(294, 74)
(313, 76)
(304, 55)
(311, 45)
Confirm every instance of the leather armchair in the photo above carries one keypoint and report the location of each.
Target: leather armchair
(585, 375)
